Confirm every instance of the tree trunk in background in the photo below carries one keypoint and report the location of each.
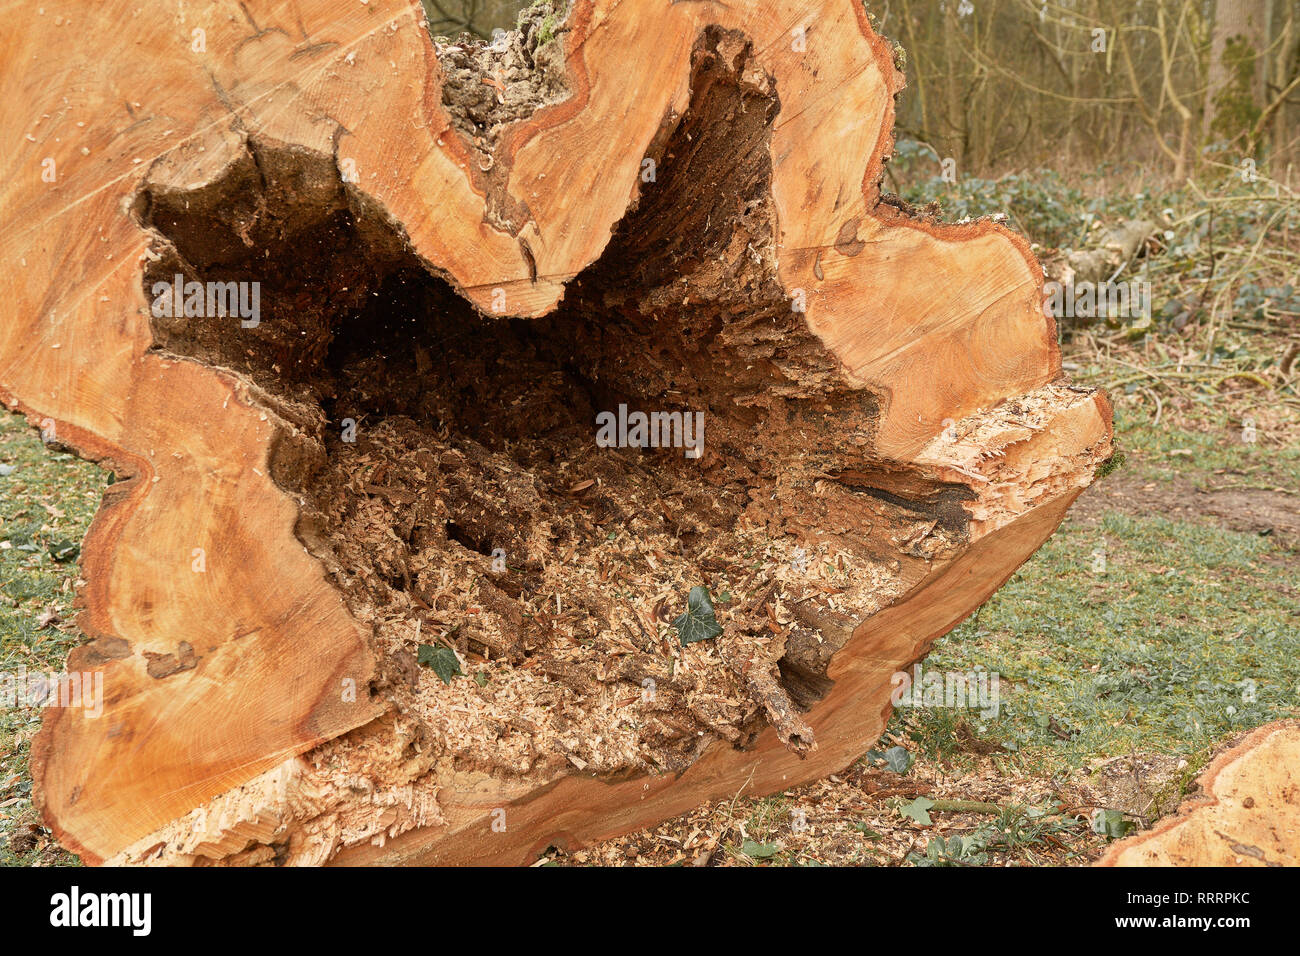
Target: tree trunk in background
(371, 587)
(1234, 95)
(1283, 135)
(480, 17)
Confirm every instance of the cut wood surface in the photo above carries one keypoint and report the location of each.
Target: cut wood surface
(1247, 812)
(464, 254)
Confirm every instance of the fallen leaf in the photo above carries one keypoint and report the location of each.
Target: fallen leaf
(918, 810)
(699, 623)
(441, 660)
(759, 851)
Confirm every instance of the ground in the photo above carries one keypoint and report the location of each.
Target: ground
(1161, 621)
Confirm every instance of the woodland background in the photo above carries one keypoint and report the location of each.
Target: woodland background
(1009, 84)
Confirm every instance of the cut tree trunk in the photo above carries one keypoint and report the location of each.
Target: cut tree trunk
(1244, 815)
(384, 468)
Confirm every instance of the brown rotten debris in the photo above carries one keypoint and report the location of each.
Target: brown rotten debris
(463, 255)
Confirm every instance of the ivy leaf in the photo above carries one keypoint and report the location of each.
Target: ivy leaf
(699, 623)
(441, 659)
(898, 759)
(759, 851)
(1111, 823)
(918, 810)
(64, 550)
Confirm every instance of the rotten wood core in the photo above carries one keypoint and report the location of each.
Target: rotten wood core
(430, 445)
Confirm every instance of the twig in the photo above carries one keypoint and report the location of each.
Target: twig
(1160, 408)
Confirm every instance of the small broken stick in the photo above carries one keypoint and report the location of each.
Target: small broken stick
(765, 688)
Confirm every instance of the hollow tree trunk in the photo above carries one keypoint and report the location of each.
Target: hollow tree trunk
(452, 261)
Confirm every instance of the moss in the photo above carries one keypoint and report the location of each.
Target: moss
(1112, 463)
(1235, 110)
(900, 58)
(546, 32)
(552, 12)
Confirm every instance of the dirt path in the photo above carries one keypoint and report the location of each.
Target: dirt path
(1225, 500)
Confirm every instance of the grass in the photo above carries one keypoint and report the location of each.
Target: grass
(1183, 639)
(1184, 635)
(46, 503)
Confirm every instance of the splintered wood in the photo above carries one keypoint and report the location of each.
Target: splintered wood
(513, 346)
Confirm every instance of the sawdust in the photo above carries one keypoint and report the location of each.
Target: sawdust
(487, 86)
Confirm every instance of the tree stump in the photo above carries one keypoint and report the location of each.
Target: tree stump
(366, 324)
(1243, 815)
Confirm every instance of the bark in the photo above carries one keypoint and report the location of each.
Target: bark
(465, 255)
(1235, 80)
